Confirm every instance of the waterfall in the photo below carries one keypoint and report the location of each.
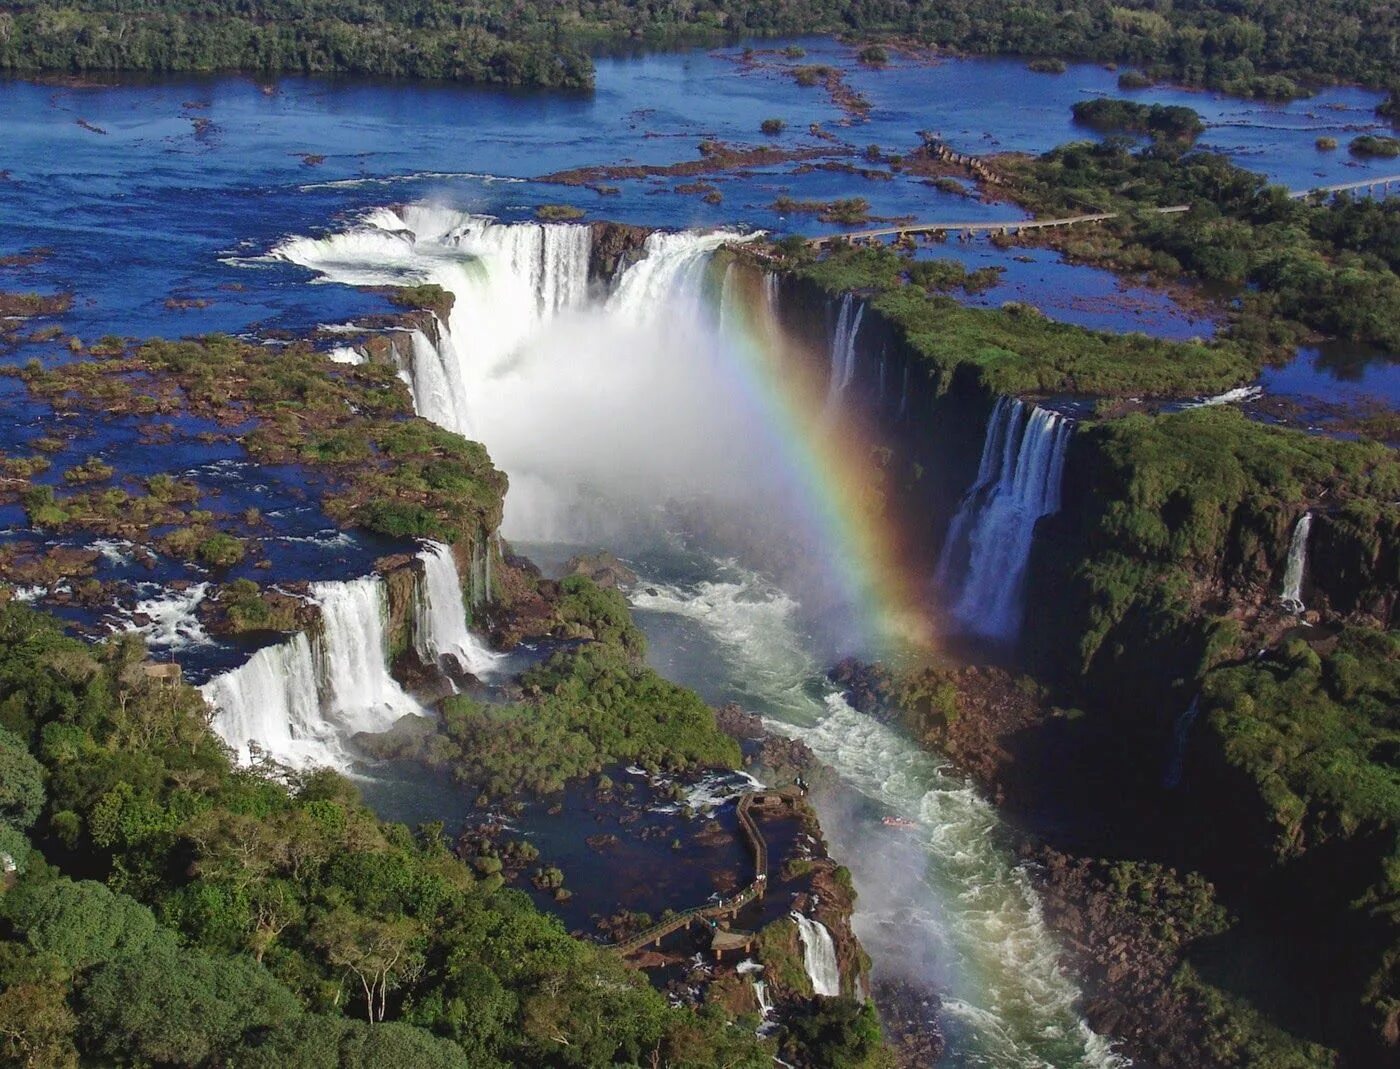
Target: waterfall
(1181, 734)
(1297, 565)
(436, 381)
(983, 564)
(760, 993)
(672, 269)
(904, 394)
(440, 617)
(818, 955)
(272, 705)
(843, 349)
(353, 656)
(300, 702)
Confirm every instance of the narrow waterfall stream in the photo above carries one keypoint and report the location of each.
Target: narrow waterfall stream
(818, 955)
(1296, 569)
(983, 566)
(599, 410)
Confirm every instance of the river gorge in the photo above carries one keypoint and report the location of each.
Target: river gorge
(985, 627)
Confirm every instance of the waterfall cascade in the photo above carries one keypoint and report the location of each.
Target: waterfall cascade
(440, 617)
(435, 378)
(983, 565)
(819, 955)
(1181, 735)
(1296, 568)
(300, 702)
(843, 349)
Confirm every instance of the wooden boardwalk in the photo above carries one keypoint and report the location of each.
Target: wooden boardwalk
(725, 907)
(1377, 184)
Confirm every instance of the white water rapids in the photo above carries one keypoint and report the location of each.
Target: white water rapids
(601, 405)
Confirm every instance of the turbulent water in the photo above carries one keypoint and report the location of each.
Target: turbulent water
(818, 955)
(1296, 568)
(300, 702)
(943, 902)
(983, 567)
(598, 406)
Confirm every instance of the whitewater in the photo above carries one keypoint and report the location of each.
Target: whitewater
(599, 401)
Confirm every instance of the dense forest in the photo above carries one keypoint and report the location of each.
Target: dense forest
(161, 906)
(1253, 49)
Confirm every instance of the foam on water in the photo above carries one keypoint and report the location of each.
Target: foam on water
(945, 896)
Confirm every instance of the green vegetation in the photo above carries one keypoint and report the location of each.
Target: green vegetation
(1015, 349)
(428, 296)
(1299, 265)
(1315, 730)
(558, 213)
(1264, 51)
(772, 127)
(1184, 505)
(849, 210)
(1371, 145)
(176, 911)
(389, 471)
(1047, 66)
(1166, 121)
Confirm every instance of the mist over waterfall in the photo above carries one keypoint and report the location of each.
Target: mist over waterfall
(819, 955)
(300, 702)
(983, 564)
(440, 616)
(843, 349)
(1296, 568)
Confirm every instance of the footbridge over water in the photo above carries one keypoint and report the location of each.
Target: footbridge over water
(727, 908)
(1376, 185)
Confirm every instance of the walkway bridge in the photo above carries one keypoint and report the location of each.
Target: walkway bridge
(725, 908)
(1375, 185)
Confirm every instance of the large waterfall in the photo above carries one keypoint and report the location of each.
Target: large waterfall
(983, 565)
(818, 955)
(437, 383)
(1296, 568)
(440, 616)
(301, 701)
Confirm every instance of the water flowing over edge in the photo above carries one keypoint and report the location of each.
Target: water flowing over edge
(984, 559)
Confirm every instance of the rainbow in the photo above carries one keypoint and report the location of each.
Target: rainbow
(835, 461)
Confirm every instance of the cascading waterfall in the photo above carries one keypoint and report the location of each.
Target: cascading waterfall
(436, 381)
(1296, 568)
(440, 617)
(760, 994)
(272, 705)
(843, 349)
(983, 565)
(353, 656)
(301, 702)
(819, 955)
(1181, 735)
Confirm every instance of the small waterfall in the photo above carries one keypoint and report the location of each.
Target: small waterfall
(1297, 566)
(983, 565)
(440, 617)
(1181, 735)
(272, 705)
(760, 993)
(904, 394)
(435, 378)
(345, 354)
(843, 349)
(353, 656)
(819, 955)
(300, 702)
